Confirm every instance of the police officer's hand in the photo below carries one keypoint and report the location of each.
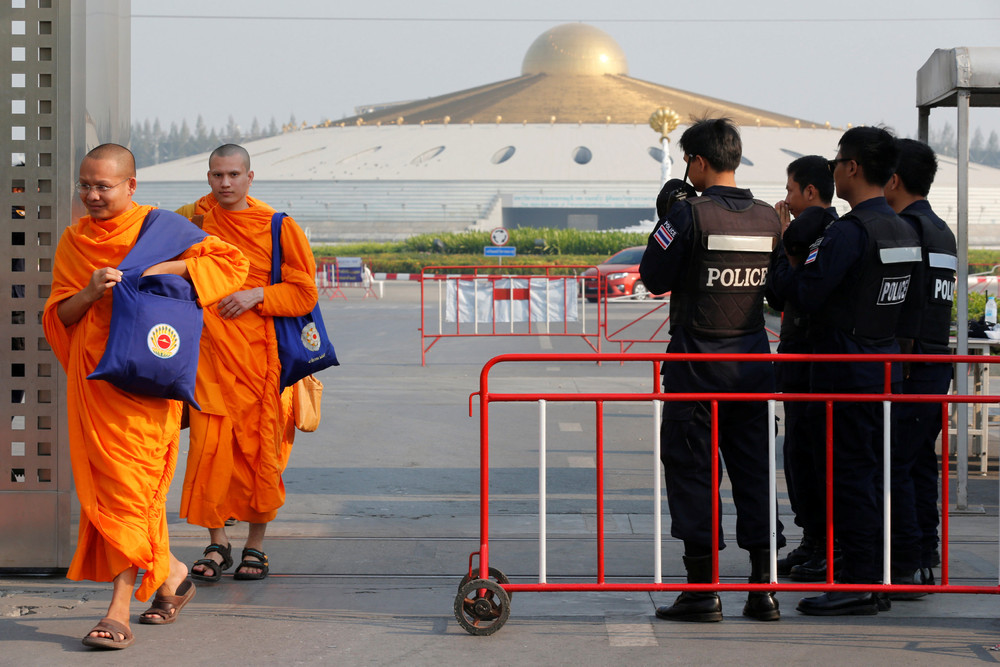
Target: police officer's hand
(906, 347)
(784, 215)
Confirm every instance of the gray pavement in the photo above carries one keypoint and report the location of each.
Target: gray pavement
(382, 513)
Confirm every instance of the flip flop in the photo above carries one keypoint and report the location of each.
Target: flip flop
(166, 607)
(114, 628)
(216, 569)
(259, 564)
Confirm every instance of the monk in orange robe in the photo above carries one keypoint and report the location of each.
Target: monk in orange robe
(242, 436)
(123, 446)
(195, 212)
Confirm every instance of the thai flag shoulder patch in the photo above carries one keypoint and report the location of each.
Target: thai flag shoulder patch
(812, 255)
(664, 235)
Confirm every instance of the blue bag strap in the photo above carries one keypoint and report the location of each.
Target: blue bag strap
(164, 236)
(276, 254)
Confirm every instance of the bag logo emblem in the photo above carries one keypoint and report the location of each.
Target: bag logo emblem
(310, 337)
(163, 341)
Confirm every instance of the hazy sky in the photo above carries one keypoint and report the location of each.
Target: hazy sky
(849, 61)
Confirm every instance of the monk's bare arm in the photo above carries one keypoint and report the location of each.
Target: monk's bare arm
(240, 302)
(177, 267)
(72, 310)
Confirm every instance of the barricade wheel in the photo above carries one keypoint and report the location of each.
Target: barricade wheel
(495, 575)
(482, 607)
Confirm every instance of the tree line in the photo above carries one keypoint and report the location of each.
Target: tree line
(151, 144)
(982, 150)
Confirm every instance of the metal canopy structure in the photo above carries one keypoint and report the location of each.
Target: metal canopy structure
(961, 77)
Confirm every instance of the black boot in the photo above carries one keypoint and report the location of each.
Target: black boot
(807, 548)
(906, 577)
(761, 605)
(815, 568)
(701, 606)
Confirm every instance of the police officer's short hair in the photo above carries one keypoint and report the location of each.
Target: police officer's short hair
(813, 170)
(917, 166)
(874, 149)
(715, 139)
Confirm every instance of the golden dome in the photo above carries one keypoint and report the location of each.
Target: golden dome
(573, 73)
(574, 48)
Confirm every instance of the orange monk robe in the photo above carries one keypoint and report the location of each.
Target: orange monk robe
(198, 208)
(205, 204)
(123, 446)
(242, 437)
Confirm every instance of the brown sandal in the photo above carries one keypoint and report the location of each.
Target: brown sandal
(113, 628)
(165, 608)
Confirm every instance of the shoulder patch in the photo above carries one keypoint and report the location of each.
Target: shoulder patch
(664, 235)
(812, 255)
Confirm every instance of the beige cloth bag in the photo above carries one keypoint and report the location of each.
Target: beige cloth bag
(307, 397)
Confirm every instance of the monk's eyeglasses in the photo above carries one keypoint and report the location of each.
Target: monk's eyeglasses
(84, 188)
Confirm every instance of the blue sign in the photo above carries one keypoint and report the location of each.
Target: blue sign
(349, 270)
(499, 251)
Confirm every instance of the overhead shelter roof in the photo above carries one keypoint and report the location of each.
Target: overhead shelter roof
(947, 71)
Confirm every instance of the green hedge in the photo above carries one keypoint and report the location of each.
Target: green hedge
(528, 241)
(413, 262)
(539, 246)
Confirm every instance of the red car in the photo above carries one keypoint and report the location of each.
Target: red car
(620, 274)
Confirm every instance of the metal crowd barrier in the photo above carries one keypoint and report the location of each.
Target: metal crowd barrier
(652, 325)
(333, 274)
(482, 605)
(477, 301)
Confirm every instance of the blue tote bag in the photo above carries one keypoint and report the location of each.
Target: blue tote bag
(156, 321)
(304, 347)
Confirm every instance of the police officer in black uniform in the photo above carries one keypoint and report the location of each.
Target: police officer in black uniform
(808, 196)
(712, 253)
(854, 285)
(924, 329)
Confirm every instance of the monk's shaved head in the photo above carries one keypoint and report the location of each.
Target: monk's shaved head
(230, 150)
(120, 155)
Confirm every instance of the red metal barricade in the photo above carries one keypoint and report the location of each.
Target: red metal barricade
(331, 277)
(482, 604)
(475, 301)
(326, 280)
(624, 326)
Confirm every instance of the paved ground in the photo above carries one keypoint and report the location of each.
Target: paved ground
(382, 514)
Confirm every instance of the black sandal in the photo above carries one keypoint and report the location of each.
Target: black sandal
(259, 564)
(216, 568)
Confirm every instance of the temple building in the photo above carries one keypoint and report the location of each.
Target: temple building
(568, 143)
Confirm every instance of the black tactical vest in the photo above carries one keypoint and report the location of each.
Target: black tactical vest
(722, 293)
(934, 284)
(870, 311)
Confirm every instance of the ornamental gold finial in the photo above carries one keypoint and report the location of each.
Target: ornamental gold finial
(664, 120)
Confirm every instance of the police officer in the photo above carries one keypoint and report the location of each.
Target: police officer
(924, 329)
(712, 253)
(854, 284)
(808, 196)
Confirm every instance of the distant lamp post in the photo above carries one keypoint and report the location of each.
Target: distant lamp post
(664, 121)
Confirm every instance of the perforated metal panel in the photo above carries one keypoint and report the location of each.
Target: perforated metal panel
(45, 128)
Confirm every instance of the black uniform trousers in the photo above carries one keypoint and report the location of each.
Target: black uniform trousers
(857, 483)
(915, 472)
(686, 435)
(805, 466)
(802, 447)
